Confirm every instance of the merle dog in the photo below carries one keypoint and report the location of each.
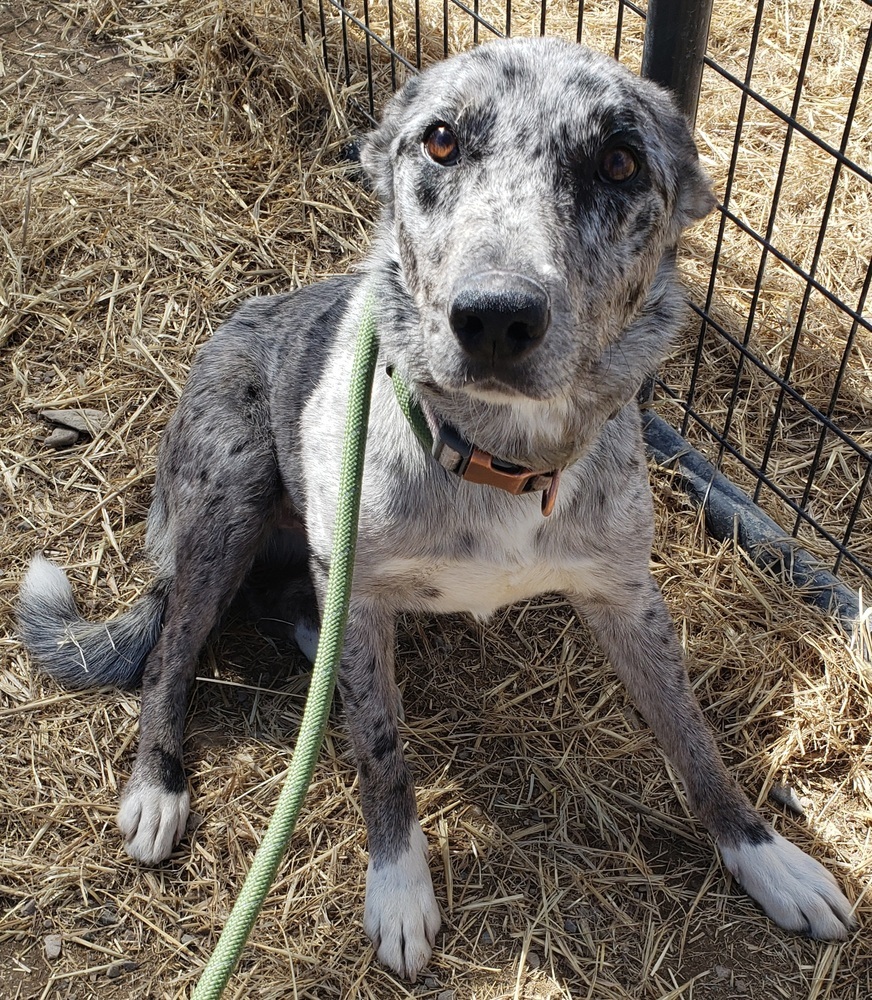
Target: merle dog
(533, 195)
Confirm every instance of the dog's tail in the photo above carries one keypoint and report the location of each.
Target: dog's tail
(79, 653)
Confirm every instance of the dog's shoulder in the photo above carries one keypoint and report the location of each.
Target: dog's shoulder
(285, 338)
(287, 321)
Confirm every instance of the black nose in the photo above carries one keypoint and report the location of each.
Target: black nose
(498, 316)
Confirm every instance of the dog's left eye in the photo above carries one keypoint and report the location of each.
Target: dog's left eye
(441, 145)
(618, 164)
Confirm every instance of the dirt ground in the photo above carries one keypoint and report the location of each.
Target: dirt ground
(161, 162)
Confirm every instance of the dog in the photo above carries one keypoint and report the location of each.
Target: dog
(523, 280)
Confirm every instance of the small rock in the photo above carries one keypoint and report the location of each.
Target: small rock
(107, 917)
(89, 422)
(486, 937)
(29, 908)
(786, 796)
(431, 982)
(720, 972)
(570, 926)
(116, 968)
(54, 945)
(533, 960)
(740, 985)
(446, 995)
(61, 437)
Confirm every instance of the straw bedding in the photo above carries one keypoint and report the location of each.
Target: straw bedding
(162, 161)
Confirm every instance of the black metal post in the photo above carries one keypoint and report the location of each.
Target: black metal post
(675, 37)
(676, 32)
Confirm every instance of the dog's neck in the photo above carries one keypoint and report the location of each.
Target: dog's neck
(537, 434)
(450, 449)
(534, 433)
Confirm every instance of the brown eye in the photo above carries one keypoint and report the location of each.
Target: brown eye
(441, 145)
(618, 164)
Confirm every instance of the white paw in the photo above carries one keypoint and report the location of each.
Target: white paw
(401, 915)
(152, 821)
(307, 636)
(795, 891)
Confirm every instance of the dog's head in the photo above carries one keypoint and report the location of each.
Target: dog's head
(533, 195)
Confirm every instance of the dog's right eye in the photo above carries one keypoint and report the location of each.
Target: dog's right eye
(441, 144)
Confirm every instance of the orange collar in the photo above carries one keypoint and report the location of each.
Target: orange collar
(453, 452)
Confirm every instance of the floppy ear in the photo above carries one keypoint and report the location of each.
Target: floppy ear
(696, 198)
(690, 186)
(694, 195)
(377, 148)
(375, 159)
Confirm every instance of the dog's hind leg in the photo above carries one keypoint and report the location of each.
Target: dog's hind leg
(278, 595)
(634, 628)
(218, 495)
(401, 915)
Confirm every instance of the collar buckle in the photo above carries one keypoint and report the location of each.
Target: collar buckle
(454, 453)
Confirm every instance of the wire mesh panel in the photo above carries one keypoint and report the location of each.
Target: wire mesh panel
(777, 385)
(773, 380)
(379, 42)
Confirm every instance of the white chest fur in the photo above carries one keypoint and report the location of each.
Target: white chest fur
(475, 586)
(506, 564)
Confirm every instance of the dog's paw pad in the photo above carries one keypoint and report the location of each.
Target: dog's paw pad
(795, 891)
(401, 915)
(153, 821)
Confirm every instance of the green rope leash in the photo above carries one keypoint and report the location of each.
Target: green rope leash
(269, 854)
(412, 411)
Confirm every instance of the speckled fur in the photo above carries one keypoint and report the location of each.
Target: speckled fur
(251, 456)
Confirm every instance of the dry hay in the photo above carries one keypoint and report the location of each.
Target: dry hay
(161, 162)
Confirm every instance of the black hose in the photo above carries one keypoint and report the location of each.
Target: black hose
(731, 513)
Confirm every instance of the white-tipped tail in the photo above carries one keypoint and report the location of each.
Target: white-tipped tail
(47, 583)
(78, 653)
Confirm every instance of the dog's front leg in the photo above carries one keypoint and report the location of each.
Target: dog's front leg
(400, 915)
(156, 801)
(213, 553)
(634, 628)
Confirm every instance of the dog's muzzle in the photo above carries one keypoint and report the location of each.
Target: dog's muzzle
(499, 317)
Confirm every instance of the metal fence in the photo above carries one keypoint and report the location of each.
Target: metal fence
(772, 383)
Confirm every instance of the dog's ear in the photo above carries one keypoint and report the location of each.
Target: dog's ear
(696, 197)
(376, 150)
(375, 159)
(690, 188)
